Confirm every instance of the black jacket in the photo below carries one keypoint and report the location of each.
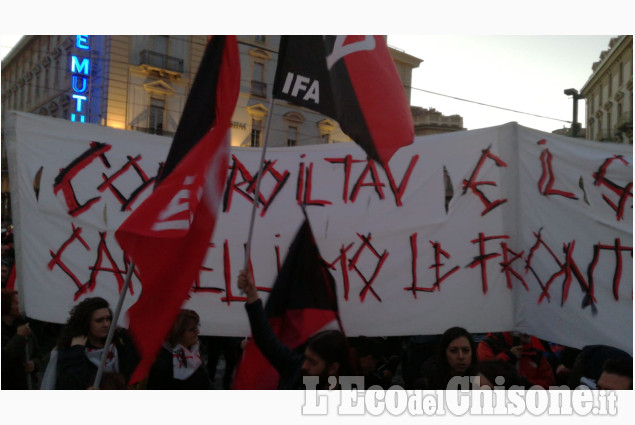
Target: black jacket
(14, 349)
(76, 372)
(161, 375)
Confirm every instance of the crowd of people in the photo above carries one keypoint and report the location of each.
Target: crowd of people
(8, 257)
(452, 360)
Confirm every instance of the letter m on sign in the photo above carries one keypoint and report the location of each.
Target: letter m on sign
(78, 67)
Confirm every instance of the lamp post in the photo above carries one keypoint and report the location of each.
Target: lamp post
(575, 126)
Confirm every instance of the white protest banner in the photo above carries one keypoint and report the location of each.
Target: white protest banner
(537, 235)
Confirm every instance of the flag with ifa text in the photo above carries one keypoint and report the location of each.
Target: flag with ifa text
(301, 303)
(167, 236)
(353, 80)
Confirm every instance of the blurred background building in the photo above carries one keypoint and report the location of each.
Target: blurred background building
(141, 83)
(609, 94)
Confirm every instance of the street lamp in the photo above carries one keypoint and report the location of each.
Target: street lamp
(575, 127)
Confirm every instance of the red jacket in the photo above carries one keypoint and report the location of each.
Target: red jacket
(532, 365)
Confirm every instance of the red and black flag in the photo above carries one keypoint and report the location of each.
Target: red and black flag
(301, 303)
(167, 236)
(353, 80)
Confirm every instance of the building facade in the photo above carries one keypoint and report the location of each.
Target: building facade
(126, 82)
(141, 83)
(430, 121)
(609, 94)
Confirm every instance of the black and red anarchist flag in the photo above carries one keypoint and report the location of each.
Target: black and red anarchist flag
(167, 236)
(353, 80)
(301, 303)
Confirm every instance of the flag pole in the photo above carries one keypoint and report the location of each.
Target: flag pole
(257, 192)
(116, 314)
(113, 327)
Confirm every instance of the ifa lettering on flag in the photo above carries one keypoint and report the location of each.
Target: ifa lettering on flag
(167, 236)
(353, 80)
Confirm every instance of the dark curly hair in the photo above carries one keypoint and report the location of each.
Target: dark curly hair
(78, 322)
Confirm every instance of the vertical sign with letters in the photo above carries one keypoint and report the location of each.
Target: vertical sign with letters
(80, 68)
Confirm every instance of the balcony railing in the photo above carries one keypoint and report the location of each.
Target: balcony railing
(156, 131)
(161, 61)
(258, 88)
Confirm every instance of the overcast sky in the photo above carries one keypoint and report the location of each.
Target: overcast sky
(523, 73)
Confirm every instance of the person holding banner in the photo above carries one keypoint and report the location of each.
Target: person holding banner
(326, 353)
(179, 366)
(455, 357)
(74, 362)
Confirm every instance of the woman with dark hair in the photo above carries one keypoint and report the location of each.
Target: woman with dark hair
(74, 362)
(178, 365)
(455, 357)
(331, 349)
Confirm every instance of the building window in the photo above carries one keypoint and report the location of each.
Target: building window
(164, 53)
(256, 132)
(621, 75)
(259, 60)
(293, 121)
(292, 136)
(156, 115)
(160, 43)
(259, 71)
(601, 95)
(258, 114)
(325, 129)
(258, 84)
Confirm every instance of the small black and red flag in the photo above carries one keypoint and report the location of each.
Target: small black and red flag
(353, 80)
(301, 303)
